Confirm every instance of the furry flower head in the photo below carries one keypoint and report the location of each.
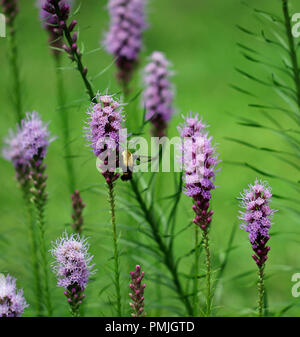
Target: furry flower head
(257, 217)
(199, 158)
(29, 142)
(124, 39)
(158, 94)
(258, 214)
(12, 301)
(72, 261)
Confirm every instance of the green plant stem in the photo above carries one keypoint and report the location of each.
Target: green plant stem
(208, 272)
(76, 55)
(41, 224)
(167, 254)
(17, 94)
(64, 118)
(196, 266)
(115, 242)
(292, 51)
(261, 291)
(34, 252)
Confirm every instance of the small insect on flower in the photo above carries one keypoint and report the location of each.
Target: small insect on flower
(12, 301)
(72, 267)
(127, 165)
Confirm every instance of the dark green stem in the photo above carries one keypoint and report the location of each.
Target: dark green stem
(17, 94)
(115, 242)
(34, 252)
(41, 225)
(196, 266)
(261, 291)
(292, 49)
(208, 272)
(76, 55)
(167, 254)
(39, 198)
(64, 117)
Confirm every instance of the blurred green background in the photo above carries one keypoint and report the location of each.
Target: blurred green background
(199, 38)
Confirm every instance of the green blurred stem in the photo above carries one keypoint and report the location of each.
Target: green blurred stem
(39, 198)
(167, 254)
(261, 291)
(208, 272)
(13, 57)
(77, 56)
(196, 266)
(292, 49)
(41, 225)
(115, 242)
(34, 251)
(64, 117)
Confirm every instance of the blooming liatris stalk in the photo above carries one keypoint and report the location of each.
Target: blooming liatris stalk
(257, 222)
(51, 23)
(72, 267)
(77, 206)
(10, 10)
(12, 301)
(103, 133)
(137, 294)
(124, 39)
(158, 94)
(199, 160)
(257, 219)
(13, 151)
(35, 141)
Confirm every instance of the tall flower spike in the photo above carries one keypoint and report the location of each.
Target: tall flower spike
(12, 301)
(78, 207)
(50, 20)
(72, 267)
(257, 222)
(199, 160)
(158, 94)
(36, 139)
(103, 133)
(137, 292)
(124, 39)
(10, 10)
(257, 218)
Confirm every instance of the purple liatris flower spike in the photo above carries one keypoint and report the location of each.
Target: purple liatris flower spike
(51, 22)
(199, 160)
(104, 134)
(77, 206)
(72, 267)
(10, 10)
(27, 146)
(124, 39)
(12, 301)
(35, 137)
(158, 94)
(257, 218)
(137, 292)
